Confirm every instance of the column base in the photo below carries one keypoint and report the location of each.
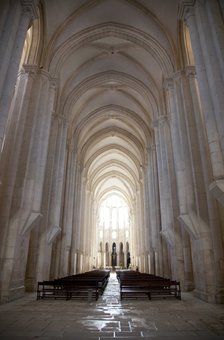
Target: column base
(12, 294)
(31, 285)
(187, 286)
(201, 295)
(217, 298)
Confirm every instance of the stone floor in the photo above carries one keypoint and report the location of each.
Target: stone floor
(109, 318)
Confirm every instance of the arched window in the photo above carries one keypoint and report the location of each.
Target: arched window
(32, 49)
(26, 47)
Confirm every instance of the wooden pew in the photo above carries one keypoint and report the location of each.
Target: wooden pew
(150, 288)
(49, 289)
(136, 284)
(85, 285)
(133, 289)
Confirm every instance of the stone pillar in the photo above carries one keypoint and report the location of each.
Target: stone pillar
(42, 100)
(13, 145)
(162, 134)
(68, 216)
(146, 203)
(81, 206)
(91, 234)
(154, 211)
(208, 211)
(188, 283)
(143, 227)
(139, 227)
(23, 183)
(86, 227)
(211, 31)
(182, 163)
(198, 213)
(15, 18)
(215, 17)
(56, 156)
(211, 84)
(76, 237)
(59, 140)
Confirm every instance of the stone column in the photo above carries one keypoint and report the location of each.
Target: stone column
(168, 197)
(138, 226)
(58, 166)
(14, 141)
(154, 210)
(68, 215)
(42, 100)
(162, 134)
(86, 227)
(15, 18)
(210, 83)
(198, 214)
(24, 187)
(177, 143)
(211, 31)
(146, 203)
(132, 245)
(215, 17)
(143, 227)
(91, 233)
(182, 162)
(211, 208)
(188, 283)
(82, 206)
(76, 235)
(57, 152)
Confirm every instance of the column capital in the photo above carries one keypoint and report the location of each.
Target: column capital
(53, 82)
(190, 71)
(35, 69)
(60, 118)
(186, 9)
(151, 148)
(160, 120)
(178, 75)
(72, 148)
(168, 83)
(29, 68)
(30, 8)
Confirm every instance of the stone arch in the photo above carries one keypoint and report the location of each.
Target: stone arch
(129, 138)
(122, 113)
(149, 95)
(56, 59)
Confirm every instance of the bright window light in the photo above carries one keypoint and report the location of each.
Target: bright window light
(114, 213)
(114, 235)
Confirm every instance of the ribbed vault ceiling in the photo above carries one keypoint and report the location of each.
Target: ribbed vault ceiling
(110, 58)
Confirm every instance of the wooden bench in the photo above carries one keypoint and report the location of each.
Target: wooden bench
(165, 288)
(133, 289)
(49, 289)
(101, 278)
(151, 288)
(85, 285)
(68, 289)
